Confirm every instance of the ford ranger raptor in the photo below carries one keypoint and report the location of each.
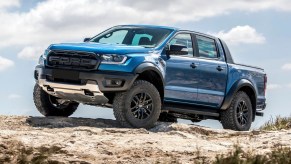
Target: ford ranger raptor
(148, 73)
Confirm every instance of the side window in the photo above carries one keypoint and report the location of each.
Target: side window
(207, 47)
(114, 37)
(186, 40)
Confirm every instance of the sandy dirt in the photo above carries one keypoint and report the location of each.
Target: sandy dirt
(104, 141)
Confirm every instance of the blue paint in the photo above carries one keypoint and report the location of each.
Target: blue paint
(204, 85)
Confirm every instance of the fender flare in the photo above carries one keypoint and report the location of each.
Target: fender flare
(149, 67)
(234, 89)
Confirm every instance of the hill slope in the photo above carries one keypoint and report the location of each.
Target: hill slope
(103, 141)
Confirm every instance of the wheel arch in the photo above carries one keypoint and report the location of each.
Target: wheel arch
(245, 86)
(149, 72)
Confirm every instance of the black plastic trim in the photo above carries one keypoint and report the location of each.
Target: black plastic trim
(69, 54)
(228, 57)
(98, 76)
(190, 109)
(261, 114)
(236, 87)
(149, 67)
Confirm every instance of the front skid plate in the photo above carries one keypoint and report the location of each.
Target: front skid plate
(74, 92)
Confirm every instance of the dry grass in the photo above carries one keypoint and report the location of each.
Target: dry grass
(278, 155)
(16, 152)
(277, 124)
(238, 156)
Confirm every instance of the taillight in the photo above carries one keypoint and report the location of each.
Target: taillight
(265, 83)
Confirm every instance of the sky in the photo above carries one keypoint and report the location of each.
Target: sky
(256, 31)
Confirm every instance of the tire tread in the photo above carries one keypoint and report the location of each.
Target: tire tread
(43, 105)
(120, 111)
(227, 117)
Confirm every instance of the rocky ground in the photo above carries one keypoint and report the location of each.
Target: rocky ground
(79, 140)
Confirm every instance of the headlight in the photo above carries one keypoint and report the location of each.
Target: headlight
(41, 60)
(43, 57)
(46, 52)
(113, 59)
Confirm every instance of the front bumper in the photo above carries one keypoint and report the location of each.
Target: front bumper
(88, 87)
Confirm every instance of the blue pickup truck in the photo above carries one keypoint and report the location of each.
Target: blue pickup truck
(148, 73)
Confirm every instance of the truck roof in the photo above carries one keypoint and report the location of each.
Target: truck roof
(166, 27)
(151, 26)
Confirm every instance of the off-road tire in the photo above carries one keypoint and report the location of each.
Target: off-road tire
(229, 117)
(46, 108)
(123, 102)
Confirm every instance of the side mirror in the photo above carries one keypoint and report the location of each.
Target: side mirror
(87, 39)
(177, 49)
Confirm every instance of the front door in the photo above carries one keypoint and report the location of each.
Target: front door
(181, 74)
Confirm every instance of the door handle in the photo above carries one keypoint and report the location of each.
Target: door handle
(193, 65)
(219, 68)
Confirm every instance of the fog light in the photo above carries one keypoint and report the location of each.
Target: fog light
(116, 82)
(113, 82)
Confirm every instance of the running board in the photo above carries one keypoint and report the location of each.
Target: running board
(187, 109)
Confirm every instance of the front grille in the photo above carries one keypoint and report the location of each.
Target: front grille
(73, 60)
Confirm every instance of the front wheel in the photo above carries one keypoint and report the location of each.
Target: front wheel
(240, 113)
(138, 107)
(49, 105)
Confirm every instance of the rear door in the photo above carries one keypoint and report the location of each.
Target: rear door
(212, 72)
(181, 74)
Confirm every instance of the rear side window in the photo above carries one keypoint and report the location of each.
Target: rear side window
(183, 39)
(207, 47)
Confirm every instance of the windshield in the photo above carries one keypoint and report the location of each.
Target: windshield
(133, 36)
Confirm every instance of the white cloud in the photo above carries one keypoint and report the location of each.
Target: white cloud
(53, 21)
(5, 64)
(14, 96)
(273, 86)
(31, 53)
(241, 34)
(277, 86)
(286, 67)
(8, 3)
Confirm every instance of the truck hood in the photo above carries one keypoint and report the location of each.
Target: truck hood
(100, 48)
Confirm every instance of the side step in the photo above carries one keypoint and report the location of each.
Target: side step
(189, 109)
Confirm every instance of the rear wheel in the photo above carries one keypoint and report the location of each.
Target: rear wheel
(239, 115)
(138, 107)
(49, 105)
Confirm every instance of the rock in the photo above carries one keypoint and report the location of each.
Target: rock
(80, 140)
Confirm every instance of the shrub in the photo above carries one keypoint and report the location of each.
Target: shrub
(277, 124)
(238, 156)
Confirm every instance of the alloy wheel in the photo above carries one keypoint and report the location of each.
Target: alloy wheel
(141, 106)
(242, 113)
